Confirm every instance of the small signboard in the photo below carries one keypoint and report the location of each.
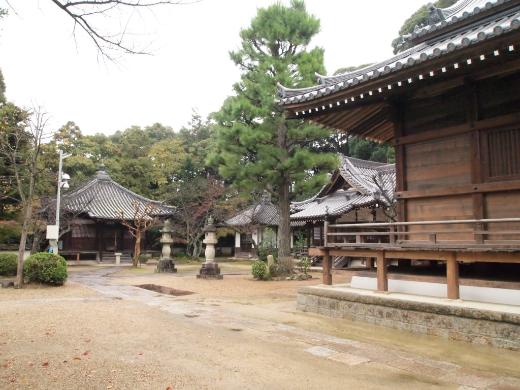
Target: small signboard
(52, 232)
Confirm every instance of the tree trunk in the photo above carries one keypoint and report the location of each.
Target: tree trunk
(23, 242)
(284, 240)
(137, 248)
(284, 228)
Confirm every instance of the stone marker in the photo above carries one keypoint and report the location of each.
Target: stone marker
(210, 269)
(270, 262)
(166, 263)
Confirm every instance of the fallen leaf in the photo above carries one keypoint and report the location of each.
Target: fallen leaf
(77, 358)
(45, 364)
(86, 353)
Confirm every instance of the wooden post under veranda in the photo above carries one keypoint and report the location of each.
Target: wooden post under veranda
(327, 267)
(382, 272)
(327, 260)
(452, 276)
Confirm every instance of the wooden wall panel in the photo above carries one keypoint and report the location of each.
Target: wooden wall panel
(448, 109)
(499, 96)
(440, 208)
(503, 205)
(438, 163)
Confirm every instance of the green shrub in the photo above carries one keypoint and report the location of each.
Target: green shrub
(304, 264)
(47, 268)
(273, 270)
(265, 249)
(8, 264)
(259, 270)
(143, 258)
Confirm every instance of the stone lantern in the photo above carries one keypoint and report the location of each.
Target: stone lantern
(210, 269)
(166, 263)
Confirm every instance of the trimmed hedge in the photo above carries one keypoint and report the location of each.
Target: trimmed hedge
(8, 264)
(47, 268)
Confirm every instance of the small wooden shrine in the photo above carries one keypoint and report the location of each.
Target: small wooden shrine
(96, 210)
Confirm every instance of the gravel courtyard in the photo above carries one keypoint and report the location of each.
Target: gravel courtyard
(99, 331)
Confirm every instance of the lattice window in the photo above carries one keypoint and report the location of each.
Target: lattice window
(504, 153)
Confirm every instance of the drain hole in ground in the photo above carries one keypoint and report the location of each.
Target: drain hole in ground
(164, 289)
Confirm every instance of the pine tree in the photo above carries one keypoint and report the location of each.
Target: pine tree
(257, 148)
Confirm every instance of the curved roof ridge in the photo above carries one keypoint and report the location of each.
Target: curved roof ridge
(312, 198)
(353, 175)
(284, 91)
(459, 11)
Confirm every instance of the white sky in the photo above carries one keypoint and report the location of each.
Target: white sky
(190, 68)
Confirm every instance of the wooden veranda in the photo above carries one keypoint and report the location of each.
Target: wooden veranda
(350, 240)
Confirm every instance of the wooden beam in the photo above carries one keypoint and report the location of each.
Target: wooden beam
(327, 267)
(452, 276)
(489, 257)
(477, 188)
(319, 252)
(504, 120)
(382, 274)
(417, 255)
(352, 253)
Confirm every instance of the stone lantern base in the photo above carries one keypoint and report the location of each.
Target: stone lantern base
(209, 271)
(166, 265)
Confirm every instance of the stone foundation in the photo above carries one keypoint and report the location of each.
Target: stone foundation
(457, 321)
(166, 265)
(209, 271)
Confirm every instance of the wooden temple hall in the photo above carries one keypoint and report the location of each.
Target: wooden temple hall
(450, 104)
(94, 217)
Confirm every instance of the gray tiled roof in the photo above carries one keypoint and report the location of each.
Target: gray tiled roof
(361, 175)
(366, 178)
(486, 28)
(262, 213)
(103, 198)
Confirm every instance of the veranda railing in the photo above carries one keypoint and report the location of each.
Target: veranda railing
(439, 234)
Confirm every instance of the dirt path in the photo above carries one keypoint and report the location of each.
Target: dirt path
(114, 335)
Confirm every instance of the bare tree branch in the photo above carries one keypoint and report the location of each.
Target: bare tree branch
(83, 11)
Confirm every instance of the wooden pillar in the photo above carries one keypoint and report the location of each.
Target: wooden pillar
(382, 275)
(369, 263)
(400, 166)
(476, 156)
(452, 276)
(327, 267)
(100, 236)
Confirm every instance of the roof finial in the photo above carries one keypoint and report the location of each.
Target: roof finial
(435, 15)
(101, 172)
(266, 197)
